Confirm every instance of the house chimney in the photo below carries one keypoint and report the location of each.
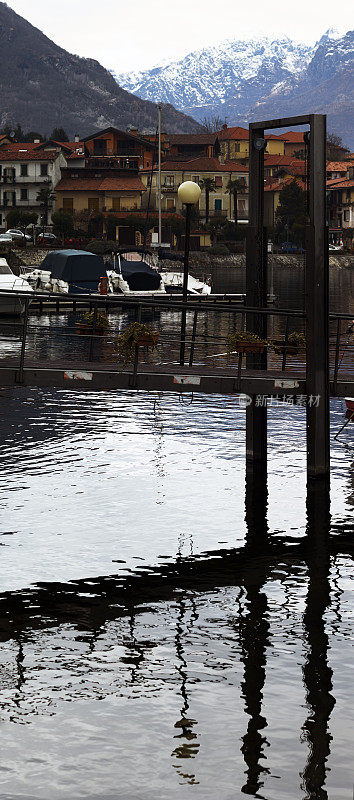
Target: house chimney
(132, 130)
(77, 137)
(224, 127)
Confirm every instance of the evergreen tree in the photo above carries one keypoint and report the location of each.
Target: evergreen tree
(59, 135)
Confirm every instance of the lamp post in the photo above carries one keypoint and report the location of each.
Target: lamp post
(189, 194)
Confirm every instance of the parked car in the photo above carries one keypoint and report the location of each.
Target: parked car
(5, 238)
(290, 247)
(47, 238)
(18, 236)
(335, 247)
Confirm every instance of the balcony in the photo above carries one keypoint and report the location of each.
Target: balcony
(7, 178)
(168, 189)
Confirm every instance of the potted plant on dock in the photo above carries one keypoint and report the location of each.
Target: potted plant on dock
(138, 334)
(245, 342)
(295, 342)
(87, 324)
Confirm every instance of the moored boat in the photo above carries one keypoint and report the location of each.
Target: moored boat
(11, 289)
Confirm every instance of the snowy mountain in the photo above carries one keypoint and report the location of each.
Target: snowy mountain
(232, 74)
(238, 80)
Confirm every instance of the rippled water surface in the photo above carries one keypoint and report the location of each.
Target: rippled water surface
(163, 633)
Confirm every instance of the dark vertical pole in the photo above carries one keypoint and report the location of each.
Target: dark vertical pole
(256, 296)
(317, 308)
(92, 341)
(185, 283)
(194, 333)
(136, 351)
(23, 343)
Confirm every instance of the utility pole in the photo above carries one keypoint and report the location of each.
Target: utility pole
(159, 181)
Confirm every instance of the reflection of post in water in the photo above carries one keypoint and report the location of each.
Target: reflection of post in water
(254, 635)
(188, 747)
(317, 672)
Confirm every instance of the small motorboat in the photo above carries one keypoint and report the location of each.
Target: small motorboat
(42, 280)
(73, 271)
(11, 288)
(349, 402)
(174, 283)
(135, 272)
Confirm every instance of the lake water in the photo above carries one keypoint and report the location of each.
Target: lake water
(165, 634)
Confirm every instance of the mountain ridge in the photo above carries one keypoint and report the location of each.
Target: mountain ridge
(239, 80)
(43, 86)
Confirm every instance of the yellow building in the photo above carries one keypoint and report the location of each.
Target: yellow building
(108, 190)
(221, 199)
(234, 143)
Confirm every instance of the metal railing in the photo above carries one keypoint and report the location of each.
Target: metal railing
(209, 325)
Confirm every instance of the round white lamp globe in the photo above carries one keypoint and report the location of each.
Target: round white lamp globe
(189, 192)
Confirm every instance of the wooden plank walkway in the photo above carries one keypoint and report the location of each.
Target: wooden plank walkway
(162, 377)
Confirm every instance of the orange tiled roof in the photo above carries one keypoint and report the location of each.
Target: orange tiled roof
(233, 133)
(340, 184)
(339, 166)
(296, 137)
(276, 160)
(25, 152)
(275, 184)
(91, 184)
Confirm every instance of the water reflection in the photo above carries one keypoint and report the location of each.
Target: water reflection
(317, 672)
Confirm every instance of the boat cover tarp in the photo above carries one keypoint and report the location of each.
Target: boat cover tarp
(139, 276)
(80, 269)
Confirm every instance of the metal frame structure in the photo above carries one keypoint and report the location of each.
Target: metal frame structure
(317, 299)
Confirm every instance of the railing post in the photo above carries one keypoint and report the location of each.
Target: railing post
(283, 364)
(194, 332)
(136, 353)
(336, 359)
(23, 343)
(94, 322)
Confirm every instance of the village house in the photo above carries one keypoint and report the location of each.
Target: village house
(234, 144)
(272, 189)
(294, 144)
(115, 148)
(173, 173)
(191, 145)
(23, 171)
(99, 190)
(340, 204)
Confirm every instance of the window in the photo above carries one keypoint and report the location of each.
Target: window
(24, 194)
(93, 204)
(100, 147)
(24, 170)
(170, 204)
(218, 205)
(218, 180)
(44, 170)
(68, 204)
(237, 147)
(116, 203)
(346, 216)
(169, 180)
(195, 179)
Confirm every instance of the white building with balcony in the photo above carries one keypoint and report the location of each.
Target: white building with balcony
(24, 169)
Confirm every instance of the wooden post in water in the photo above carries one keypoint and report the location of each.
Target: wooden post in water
(317, 308)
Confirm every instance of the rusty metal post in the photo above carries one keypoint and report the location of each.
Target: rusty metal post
(317, 308)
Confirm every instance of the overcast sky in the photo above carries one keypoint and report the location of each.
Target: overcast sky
(127, 35)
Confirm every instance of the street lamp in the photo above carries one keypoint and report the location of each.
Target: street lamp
(189, 194)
